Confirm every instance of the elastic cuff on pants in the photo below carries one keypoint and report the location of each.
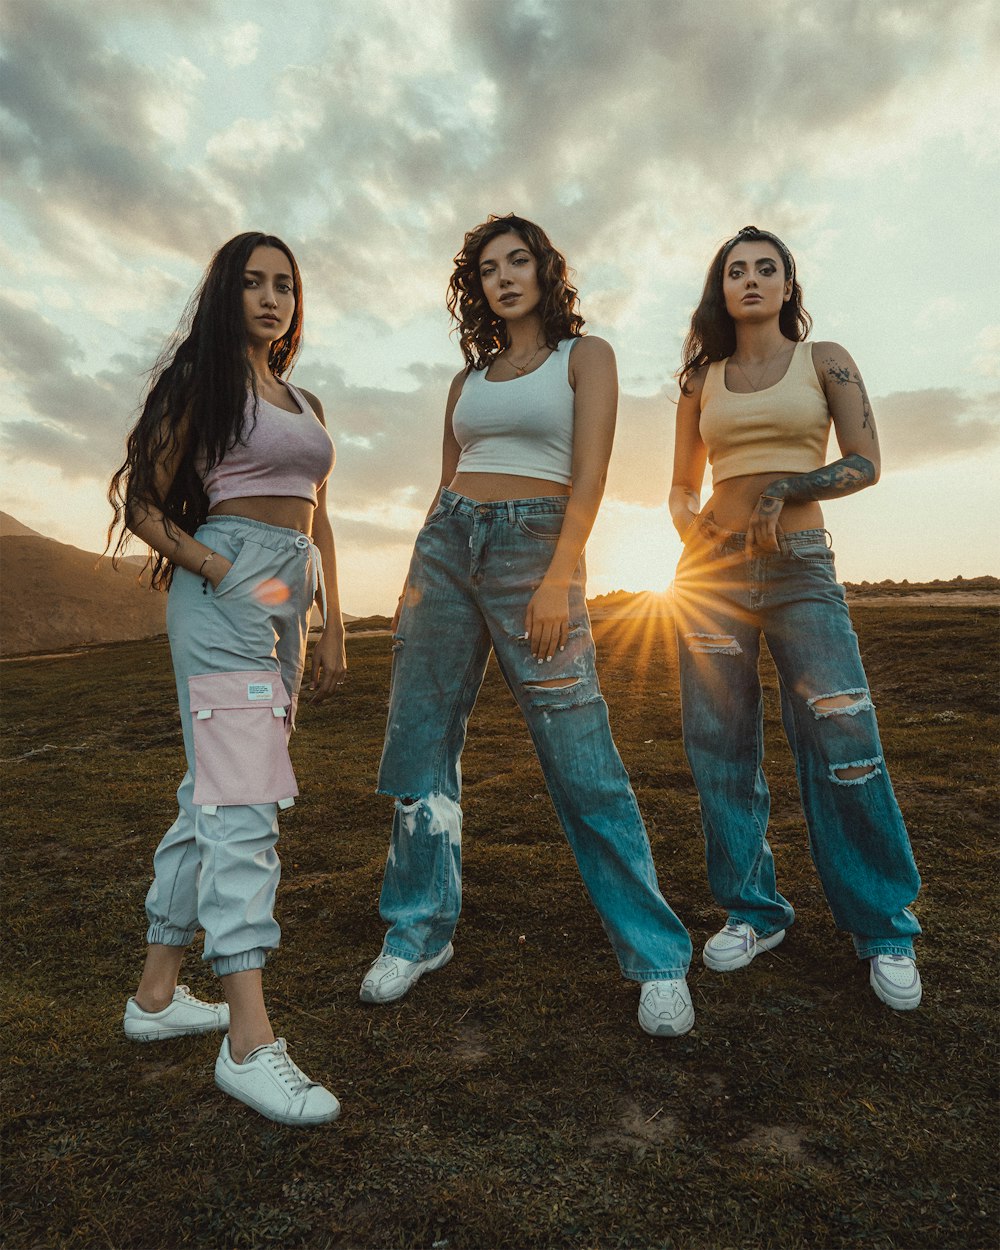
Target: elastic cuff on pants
(162, 934)
(872, 947)
(246, 961)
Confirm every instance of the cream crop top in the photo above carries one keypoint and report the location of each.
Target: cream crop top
(523, 427)
(783, 427)
(283, 453)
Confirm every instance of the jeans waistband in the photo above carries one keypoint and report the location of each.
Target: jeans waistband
(509, 508)
(275, 536)
(786, 542)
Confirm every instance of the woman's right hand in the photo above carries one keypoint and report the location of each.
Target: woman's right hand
(702, 536)
(216, 569)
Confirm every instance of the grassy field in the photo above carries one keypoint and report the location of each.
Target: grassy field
(511, 1100)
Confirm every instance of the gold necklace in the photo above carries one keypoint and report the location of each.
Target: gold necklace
(520, 370)
(763, 373)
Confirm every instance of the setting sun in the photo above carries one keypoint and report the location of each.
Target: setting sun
(632, 547)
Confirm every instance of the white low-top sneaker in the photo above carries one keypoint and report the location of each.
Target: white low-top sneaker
(896, 981)
(390, 978)
(184, 1014)
(665, 1008)
(736, 944)
(272, 1084)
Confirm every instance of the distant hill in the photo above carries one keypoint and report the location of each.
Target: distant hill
(10, 527)
(54, 596)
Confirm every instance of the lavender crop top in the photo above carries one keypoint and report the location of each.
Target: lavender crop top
(284, 453)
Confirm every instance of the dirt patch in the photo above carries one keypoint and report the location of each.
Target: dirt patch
(636, 1129)
(470, 1044)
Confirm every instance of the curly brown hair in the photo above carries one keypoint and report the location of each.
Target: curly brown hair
(712, 335)
(481, 333)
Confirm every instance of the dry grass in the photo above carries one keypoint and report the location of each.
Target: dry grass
(511, 1100)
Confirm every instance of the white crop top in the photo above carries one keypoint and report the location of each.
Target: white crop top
(523, 427)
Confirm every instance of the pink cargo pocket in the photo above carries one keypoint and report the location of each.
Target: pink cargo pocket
(240, 740)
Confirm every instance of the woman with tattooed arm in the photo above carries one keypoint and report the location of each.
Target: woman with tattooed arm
(757, 401)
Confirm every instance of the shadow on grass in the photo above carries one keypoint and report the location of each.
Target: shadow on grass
(511, 1100)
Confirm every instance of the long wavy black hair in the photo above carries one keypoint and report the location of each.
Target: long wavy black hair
(481, 333)
(195, 404)
(712, 335)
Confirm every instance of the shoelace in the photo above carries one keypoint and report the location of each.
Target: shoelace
(185, 994)
(750, 937)
(290, 1072)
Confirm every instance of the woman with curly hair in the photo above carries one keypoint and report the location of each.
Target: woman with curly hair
(499, 564)
(225, 480)
(757, 401)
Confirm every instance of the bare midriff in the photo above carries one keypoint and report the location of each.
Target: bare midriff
(286, 511)
(494, 487)
(734, 500)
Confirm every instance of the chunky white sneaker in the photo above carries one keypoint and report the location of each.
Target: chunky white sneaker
(183, 1015)
(896, 981)
(390, 978)
(272, 1084)
(665, 1008)
(735, 945)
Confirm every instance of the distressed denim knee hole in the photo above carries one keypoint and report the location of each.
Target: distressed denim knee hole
(841, 703)
(713, 644)
(856, 772)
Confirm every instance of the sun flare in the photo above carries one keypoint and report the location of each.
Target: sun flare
(632, 547)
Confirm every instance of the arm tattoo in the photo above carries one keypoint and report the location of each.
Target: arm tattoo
(844, 377)
(843, 477)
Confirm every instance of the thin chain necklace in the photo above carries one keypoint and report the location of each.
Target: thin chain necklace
(520, 370)
(763, 373)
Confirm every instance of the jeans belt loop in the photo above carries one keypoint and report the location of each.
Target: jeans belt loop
(511, 511)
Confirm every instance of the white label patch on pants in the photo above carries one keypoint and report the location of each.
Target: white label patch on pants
(259, 692)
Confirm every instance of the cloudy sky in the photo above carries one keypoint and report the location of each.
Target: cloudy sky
(371, 134)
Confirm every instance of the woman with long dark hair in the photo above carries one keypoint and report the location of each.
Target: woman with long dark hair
(225, 481)
(757, 401)
(499, 564)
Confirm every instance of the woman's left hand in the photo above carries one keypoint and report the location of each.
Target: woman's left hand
(762, 528)
(546, 622)
(329, 665)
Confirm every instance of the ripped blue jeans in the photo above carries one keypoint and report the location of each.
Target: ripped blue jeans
(474, 569)
(857, 838)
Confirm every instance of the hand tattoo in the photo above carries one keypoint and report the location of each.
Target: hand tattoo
(843, 477)
(844, 377)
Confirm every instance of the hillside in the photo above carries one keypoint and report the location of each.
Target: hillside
(11, 527)
(54, 596)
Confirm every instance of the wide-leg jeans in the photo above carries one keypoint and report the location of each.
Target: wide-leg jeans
(857, 838)
(475, 567)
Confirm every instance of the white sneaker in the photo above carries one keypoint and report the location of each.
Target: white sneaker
(272, 1084)
(390, 978)
(184, 1014)
(735, 945)
(896, 981)
(665, 1008)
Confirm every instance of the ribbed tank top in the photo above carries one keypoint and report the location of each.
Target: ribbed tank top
(284, 453)
(785, 426)
(524, 426)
